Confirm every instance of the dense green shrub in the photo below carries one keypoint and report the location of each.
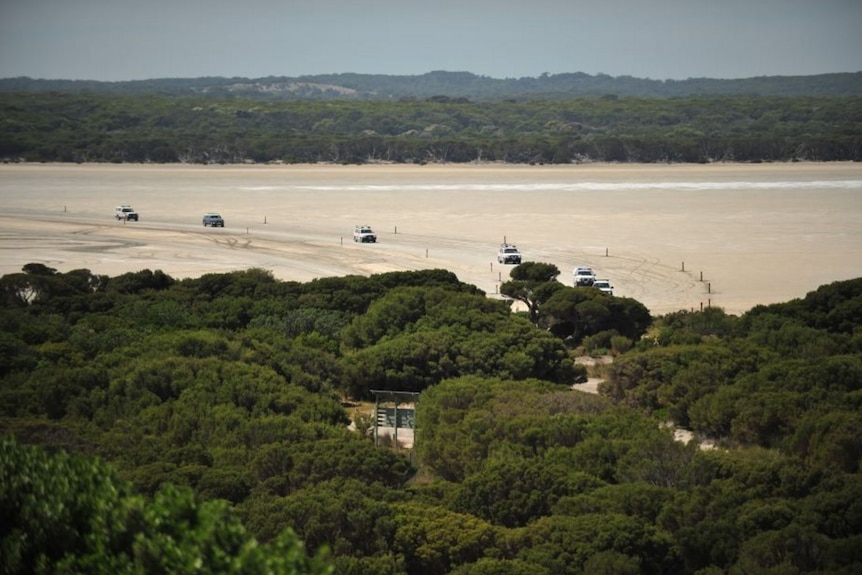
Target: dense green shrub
(223, 398)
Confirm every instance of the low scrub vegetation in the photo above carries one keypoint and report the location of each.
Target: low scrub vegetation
(159, 425)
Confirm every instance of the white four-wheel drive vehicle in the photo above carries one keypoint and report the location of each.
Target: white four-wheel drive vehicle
(125, 212)
(583, 277)
(508, 254)
(605, 286)
(364, 234)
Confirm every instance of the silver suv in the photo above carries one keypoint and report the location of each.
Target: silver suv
(213, 220)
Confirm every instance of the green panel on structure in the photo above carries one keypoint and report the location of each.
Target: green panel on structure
(406, 417)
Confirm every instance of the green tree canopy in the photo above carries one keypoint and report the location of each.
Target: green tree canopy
(71, 514)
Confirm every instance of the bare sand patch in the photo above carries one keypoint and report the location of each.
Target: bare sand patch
(672, 236)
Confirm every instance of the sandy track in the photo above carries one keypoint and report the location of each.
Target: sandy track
(743, 234)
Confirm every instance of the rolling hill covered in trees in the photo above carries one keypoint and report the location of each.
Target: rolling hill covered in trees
(453, 85)
(63, 127)
(206, 426)
(436, 117)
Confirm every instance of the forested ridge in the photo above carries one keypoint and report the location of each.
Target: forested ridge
(202, 424)
(463, 85)
(94, 127)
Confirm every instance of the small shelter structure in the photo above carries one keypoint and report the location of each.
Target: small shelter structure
(394, 410)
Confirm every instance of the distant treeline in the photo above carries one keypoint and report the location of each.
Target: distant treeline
(462, 85)
(97, 127)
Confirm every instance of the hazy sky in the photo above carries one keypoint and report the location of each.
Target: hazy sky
(659, 39)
